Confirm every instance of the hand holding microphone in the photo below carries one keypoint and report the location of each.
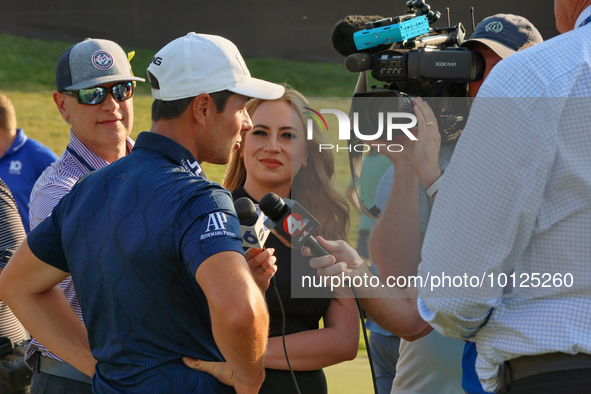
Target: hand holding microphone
(291, 223)
(296, 227)
(254, 234)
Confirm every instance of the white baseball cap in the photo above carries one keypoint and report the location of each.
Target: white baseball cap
(203, 63)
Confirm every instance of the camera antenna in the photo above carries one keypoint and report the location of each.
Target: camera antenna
(473, 23)
(448, 16)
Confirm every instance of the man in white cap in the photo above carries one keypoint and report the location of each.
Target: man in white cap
(153, 247)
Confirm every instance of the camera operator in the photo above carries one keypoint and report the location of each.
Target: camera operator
(429, 362)
(397, 238)
(12, 233)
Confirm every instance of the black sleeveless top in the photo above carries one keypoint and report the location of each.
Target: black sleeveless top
(301, 314)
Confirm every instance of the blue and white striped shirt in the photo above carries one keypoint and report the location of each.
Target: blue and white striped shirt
(515, 207)
(53, 184)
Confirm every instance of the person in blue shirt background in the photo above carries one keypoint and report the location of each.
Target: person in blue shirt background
(22, 159)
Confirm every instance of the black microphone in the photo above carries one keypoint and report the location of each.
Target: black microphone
(342, 34)
(291, 223)
(358, 62)
(254, 233)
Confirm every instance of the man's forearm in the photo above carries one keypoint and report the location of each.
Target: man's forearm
(393, 308)
(395, 241)
(397, 315)
(242, 338)
(27, 285)
(50, 319)
(239, 317)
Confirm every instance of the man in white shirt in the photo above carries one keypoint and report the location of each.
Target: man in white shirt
(511, 226)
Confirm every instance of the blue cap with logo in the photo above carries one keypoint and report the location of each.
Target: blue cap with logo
(505, 34)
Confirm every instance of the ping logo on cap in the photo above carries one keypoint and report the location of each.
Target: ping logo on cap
(242, 64)
(494, 27)
(102, 59)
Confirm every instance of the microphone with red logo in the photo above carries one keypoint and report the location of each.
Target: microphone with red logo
(254, 233)
(291, 223)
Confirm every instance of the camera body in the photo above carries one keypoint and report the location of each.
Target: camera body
(429, 65)
(14, 373)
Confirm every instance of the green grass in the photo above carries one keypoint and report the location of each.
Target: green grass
(28, 64)
(350, 377)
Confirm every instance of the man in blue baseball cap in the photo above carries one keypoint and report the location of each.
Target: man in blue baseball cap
(429, 362)
(498, 36)
(434, 362)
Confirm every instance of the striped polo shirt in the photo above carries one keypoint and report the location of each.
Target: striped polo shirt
(12, 233)
(53, 184)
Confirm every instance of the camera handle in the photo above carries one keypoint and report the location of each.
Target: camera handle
(419, 7)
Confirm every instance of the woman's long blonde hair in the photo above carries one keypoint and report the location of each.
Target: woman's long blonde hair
(312, 187)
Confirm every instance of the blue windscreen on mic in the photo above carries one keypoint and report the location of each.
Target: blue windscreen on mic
(342, 34)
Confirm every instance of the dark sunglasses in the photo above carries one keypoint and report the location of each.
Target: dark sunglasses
(98, 94)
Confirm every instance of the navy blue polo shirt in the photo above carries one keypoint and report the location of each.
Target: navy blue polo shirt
(132, 235)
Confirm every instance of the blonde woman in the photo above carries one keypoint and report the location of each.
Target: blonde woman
(275, 156)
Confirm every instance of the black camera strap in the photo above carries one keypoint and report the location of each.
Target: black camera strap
(356, 158)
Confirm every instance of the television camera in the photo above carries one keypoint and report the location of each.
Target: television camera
(413, 59)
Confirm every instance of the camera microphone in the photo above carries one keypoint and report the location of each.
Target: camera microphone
(358, 62)
(342, 34)
(291, 223)
(254, 233)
